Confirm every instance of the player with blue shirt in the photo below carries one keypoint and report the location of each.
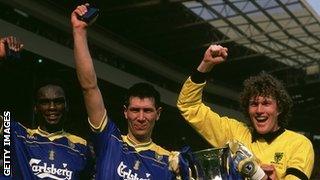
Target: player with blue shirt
(133, 156)
(47, 152)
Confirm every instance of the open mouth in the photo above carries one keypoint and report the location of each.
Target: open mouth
(261, 119)
(52, 117)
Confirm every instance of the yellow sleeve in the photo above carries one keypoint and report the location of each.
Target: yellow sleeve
(301, 159)
(215, 129)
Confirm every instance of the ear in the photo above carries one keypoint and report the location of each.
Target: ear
(279, 111)
(125, 110)
(159, 110)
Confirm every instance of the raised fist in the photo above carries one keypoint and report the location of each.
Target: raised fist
(215, 54)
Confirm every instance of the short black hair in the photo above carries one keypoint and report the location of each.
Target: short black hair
(143, 90)
(266, 85)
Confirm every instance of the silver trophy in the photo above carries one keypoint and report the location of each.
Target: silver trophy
(214, 164)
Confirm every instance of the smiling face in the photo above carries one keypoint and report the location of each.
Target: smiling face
(50, 107)
(141, 114)
(263, 112)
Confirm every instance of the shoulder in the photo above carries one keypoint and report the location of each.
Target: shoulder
(76, 139)
(297, 138)
(160, 150)
(295, 135)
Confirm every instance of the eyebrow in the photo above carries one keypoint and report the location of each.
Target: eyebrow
(53, 99)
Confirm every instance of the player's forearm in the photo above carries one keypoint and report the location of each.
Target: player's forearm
(205, 67)
(87, 78)
(83, 61)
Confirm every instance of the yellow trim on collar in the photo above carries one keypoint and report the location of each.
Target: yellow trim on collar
(57, 135)
(138, 146)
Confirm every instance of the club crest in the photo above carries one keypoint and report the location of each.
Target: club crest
(52, 155)
(136, 165)
(278, 156)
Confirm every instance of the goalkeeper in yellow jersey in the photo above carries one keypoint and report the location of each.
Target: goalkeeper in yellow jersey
(261, 149)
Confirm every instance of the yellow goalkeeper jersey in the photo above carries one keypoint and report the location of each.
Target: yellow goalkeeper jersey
(289, 152)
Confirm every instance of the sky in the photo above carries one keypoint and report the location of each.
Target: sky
(315, 4)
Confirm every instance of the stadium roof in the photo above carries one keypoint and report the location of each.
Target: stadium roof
(284, 30)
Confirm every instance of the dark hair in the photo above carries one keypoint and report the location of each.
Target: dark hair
(266, 85)
(143, 90)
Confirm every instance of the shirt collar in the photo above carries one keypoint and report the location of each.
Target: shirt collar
(137, 145)
(47, 134)
(269, 137)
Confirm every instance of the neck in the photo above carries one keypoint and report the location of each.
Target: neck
(275, 129)
(51, 128)
(136, 140)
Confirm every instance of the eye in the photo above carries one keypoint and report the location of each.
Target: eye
(44, 102)
(55, 101)
(253, 103)
(267, 102)
(59, 101)
(134, 110)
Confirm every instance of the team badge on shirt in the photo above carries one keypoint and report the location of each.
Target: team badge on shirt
(277, 157)
(136, 165)
(52, 155)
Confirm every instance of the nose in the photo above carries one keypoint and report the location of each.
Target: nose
(259, 108)
(52, 105)
(141, 115)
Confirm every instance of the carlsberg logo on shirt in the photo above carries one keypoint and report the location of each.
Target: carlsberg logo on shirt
(127, 174)
(43, 170)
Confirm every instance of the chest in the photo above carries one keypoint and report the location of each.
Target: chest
(127, 163)
(58, 158)
(276, 153)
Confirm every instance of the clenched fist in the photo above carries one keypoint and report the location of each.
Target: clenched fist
(215, 54)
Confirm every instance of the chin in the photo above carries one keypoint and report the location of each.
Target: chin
(260, 130)
(53, 122)
(140, 135)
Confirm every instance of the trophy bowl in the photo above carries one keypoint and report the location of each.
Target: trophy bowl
(214, 164)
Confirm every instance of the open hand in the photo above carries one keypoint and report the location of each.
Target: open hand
(13, 44)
